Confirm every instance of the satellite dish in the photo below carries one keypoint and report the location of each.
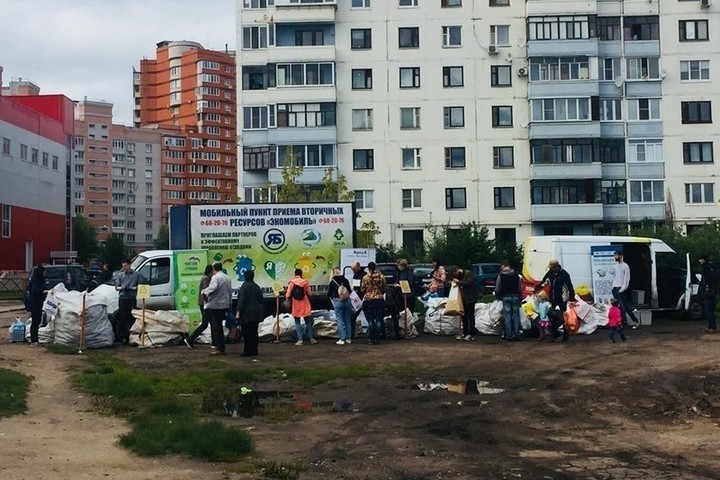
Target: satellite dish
(618, 82)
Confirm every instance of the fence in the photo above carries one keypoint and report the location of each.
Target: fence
(12, 283)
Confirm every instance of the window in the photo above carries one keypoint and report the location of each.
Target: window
(361, 78)
(255, 118)
(693, 30)
(643, 68)
(500, 35)
(697, 152)
(155, 272)
(641, 28)
(454, 157)
(641, 109)
(6, 220)
(503, 157)
(363, 159)
(453, 77)
(562, 151)
(23, 152)
(608, 28)
(609, 68)
(6, 146)
(409, 77)
(561, 192)
(699, 193)
(45, 159)
(613, 192)
(645, 151)
(257, 158)
(300, 74)
(254, 37)
(647, 191)
(410, 117)
(407, 3)
(314, 155)
(455, 198)
(362, 119)
(499, 3)
(502, 116)
(411, 159)
(304, 115)
(454, 117)
(504, 197)
(409, 37)
(360, 4)
(559, 68)
(610, 110)
(450, 3)
(500, 76)
(452, 36)
(560, 109)
(256, 3)
(560, 28)
(363, 199)
(412, 198)
(55, 162)
(696, 112)
(309, 38)
(360, 39)
(695, 70)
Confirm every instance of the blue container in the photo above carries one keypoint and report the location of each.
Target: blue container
(17, 332)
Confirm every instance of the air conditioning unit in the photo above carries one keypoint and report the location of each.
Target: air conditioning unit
(522, 72)
(493, 50)
(704, 3)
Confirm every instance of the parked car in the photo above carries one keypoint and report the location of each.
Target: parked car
(423, 274)
(74, 277)
(389, 271)
(485, 275)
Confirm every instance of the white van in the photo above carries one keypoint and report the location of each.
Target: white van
(156, 268)
(659, 277)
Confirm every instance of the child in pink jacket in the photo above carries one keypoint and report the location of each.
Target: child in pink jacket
(615, 320)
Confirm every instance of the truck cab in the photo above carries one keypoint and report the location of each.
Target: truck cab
(156, 269)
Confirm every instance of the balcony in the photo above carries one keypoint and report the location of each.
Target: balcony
(310, 175)
(305, 11)
(639, 211)
(566, 212)
(559, 48)
(309, 93)
(564, 88)
(565, 130)
(553, 171)
(293, 54)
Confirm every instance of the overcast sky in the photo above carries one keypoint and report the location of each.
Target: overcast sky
(88, 48)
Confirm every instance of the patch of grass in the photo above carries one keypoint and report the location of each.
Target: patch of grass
(272, 470)
(11, 295)
(278, 411)
(311, 376)
(13, 392)
(61, 349)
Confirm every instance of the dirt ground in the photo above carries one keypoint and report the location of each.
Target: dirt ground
(648, 408)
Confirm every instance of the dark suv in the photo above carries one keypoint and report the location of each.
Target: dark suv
(74, 277)
(485, 275)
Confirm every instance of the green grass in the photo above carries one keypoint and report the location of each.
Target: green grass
(11, 295)
(272, 470)
(61, 349)
(13, 392)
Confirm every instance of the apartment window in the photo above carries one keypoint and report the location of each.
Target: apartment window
(257, 158)
(360, 39)
(611, 110)
(561, 192)
(499, 3)
(699, 193)
(23, 152)
(315, 155)
(407, 3)
(309, 38)
(453, 77)
(409, 37)
(696, 112)
(6, 146)
(502, 116)
(45, 159)
(608, 28)
(609, 68)
(562, 151)
(411, 159)
(643, 68)
(363, 159)
(362, 119)
(412, 198)
(148, 148)
(647, 191)
(360, 4)
(641, 28)
(455, 198)
(409, 77)
(255, 118)
(693, 30)
(454, 117)
(698, 152)
(410, 117)
(455, 157)
(304, 115)
(254, 37)
(504, 197)
(6, 220)
(648, 151)
(500, 35)
(500, 76)
(79, 141)
(503, 157)
(256, 3)
(567, 27)
(55, 162)
(452, 36)
(613, 192)
(695, 70)
(300, 74)
(559, 68)
(450, 3)
(642, 109)
(361, 78)
(363, 199)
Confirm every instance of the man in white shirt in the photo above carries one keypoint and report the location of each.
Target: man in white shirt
(621, 282)
(219, 299)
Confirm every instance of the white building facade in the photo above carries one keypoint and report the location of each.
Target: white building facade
(528, 117)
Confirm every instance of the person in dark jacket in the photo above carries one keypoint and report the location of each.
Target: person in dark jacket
(126, 285)
(561, 292)
(36, 294)
(406, 273)
(509, 290)
(249, 312)
(707, 291)
(470, 294)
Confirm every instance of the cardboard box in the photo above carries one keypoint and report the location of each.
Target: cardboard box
(645, 316)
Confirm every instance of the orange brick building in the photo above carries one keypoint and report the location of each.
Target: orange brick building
(188, 92)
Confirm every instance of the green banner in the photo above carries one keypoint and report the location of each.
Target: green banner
(189, 268)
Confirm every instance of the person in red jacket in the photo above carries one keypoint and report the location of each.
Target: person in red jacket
(615, 320)
(301, 307)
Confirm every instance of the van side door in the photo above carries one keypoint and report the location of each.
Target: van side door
(157, 273)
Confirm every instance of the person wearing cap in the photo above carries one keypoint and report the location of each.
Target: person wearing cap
(621, 282)
(561, 292)
(707, 290)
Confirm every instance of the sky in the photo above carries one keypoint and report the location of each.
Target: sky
(88, 48)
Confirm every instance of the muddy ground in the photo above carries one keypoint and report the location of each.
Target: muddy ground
(648, 408)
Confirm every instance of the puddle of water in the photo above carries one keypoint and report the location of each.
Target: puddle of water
(252, 403)
(467, 387)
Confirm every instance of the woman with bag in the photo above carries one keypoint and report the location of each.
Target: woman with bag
(298, 292)
(339, 294)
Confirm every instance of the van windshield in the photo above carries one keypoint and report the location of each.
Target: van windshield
(137, 261)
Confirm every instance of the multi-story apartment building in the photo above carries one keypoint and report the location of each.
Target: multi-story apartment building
(530, 117)
(188, 92)
(115, 176)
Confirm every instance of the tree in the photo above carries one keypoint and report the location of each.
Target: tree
(85, 239)
(467, 244)
(115, 251)
(162, 241)
(367, 235)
